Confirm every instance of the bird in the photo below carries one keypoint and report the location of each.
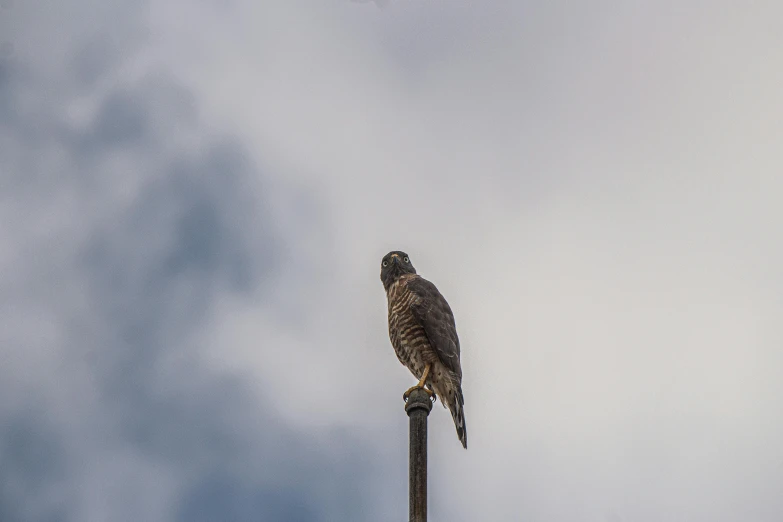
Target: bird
(423, 334)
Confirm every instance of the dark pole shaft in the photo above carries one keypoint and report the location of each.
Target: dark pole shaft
(418, 408)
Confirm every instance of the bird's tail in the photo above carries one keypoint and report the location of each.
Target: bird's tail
(456, 407)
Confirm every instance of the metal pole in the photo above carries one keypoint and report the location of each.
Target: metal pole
(418, 408)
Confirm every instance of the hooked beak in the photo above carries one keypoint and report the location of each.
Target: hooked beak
(395, 258)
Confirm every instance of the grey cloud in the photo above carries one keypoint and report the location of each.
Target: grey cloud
(34, 467)
(595, 191)
(127, 281)
(94, 58)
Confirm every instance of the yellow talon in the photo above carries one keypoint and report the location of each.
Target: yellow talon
(420, 384)
(410, 390)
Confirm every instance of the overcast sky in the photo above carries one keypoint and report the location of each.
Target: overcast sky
(195, 199)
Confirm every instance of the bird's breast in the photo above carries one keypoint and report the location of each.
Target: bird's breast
(407, 336)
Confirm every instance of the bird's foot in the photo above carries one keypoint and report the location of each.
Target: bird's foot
(408, 392)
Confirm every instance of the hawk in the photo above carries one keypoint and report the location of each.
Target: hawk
(424, 336)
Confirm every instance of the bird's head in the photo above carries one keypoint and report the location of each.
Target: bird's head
(393, 265)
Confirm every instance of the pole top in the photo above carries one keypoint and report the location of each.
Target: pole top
(418, 399)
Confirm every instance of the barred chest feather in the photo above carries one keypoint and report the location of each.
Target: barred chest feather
(406, 335)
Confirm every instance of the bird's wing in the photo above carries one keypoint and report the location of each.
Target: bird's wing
(433, 313)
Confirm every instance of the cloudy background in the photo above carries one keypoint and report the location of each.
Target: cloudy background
(194, 201)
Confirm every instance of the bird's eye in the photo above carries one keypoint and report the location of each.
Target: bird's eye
(406, 259)
(385, 263)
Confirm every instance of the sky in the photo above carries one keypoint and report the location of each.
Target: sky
(195, 199)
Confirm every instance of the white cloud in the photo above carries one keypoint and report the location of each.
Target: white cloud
(598, 202)
(595, 193)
